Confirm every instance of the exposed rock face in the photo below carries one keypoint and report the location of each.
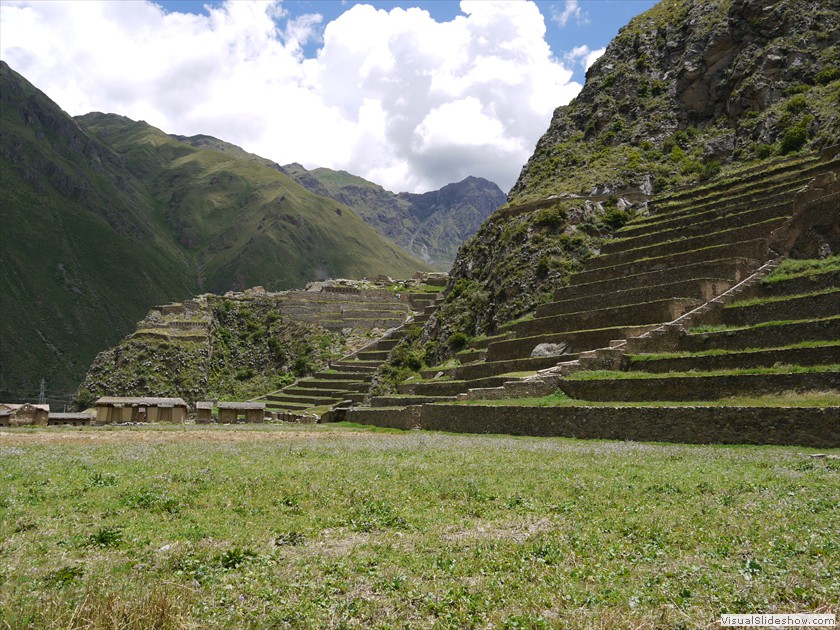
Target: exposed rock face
(431, 225)
(692, 82)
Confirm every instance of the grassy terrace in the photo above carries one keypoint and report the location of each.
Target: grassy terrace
(792, 268)
(588, 375)
(640, 358)
(347, 527)
(785, 399)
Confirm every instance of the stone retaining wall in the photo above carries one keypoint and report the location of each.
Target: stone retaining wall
(821, 355)
(756, 249)
(697, 387)
(698, 288)
(689, 244)
(818, 428)
(628, 315)
(733, 268)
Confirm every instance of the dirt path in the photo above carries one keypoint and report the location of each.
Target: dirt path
(134, 435)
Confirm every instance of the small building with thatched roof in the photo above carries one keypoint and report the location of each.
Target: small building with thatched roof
(23, 414)
(231, 412)
(204, 412)
(111, 409)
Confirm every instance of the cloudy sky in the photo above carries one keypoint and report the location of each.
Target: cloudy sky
(409, 94)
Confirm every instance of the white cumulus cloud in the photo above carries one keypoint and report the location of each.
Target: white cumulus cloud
(571, 9)
(393, 96)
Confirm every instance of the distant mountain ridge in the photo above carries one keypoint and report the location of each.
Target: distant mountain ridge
(430, 225)
(104, 217)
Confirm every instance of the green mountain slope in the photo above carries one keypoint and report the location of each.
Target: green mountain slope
(430, 225)
(82, 259)
(103, 217)
(245, 223)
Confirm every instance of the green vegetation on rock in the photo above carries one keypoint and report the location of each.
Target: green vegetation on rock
(689, 88)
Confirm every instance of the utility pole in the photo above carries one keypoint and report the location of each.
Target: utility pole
(42, 395)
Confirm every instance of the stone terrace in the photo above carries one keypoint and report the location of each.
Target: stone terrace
(698, 258)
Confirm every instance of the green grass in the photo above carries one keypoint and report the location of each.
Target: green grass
(640, 358)
(341, 527)
(715, 328)
(780, 298)
(792, 268)
(784, 399)
(588, 375)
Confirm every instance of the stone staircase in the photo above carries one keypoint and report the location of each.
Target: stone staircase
(698, 258)
(349, 378)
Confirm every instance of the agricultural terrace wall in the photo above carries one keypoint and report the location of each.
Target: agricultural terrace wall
(818, 428)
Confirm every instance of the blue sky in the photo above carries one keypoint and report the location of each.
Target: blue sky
(410, 95)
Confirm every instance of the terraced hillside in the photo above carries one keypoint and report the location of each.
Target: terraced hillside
(243, 344)
(348, 380)
(624, 331)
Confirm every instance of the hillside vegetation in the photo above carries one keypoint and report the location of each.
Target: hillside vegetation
(104, 217)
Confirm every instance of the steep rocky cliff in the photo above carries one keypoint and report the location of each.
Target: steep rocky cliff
(431, 225)
(689, 87)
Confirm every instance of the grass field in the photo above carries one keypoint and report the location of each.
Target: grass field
(347, 527)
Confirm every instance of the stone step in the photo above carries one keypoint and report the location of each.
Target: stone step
(818, 355)
(332, 384)
(767, 183)
(449, 388)
(697, 288)
(298, 390)
(761, 336)
(733, 200)
(629, 315)
(494, 368)
(373, 355)
(801, 284)
(364, 377)
(815, 306)
(701, 387)
(755, 249)
(770, 185)
(308, 401)
(483, 343)
(388, 344)
(471, 355)
(695, 225)
(578, 341)
(483, 369)
(404, 401)
(355, 366)
(286, 406)
(731, 269)
(692, 243)
(809, 427)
